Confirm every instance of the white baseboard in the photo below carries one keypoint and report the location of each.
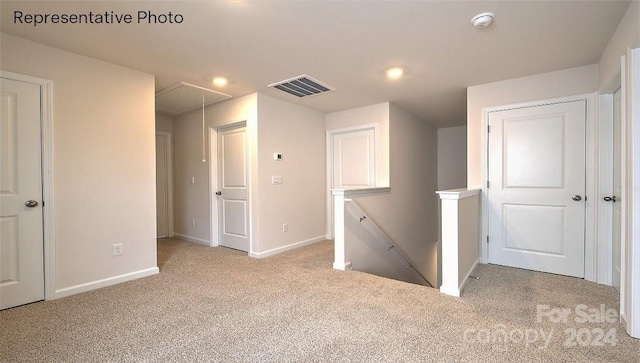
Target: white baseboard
(72, 290)
(292, 246)
(466, 277)
(192, 239)
(457, 290)
(339, 266)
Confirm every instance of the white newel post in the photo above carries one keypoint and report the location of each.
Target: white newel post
(460, 233)
(340, 262)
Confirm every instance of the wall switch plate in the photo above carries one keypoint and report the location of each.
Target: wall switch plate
(118, 249)
(277, 156)
(193, 180)
(285, 227)
(193, 221)
(276, 179)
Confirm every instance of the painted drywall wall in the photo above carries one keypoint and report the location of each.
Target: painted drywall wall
(104, 162)
(192, 199)
(368, 115)
(298, 134)
(452, 157)
(409, 214)
(164, 123)
(627, 34)
(568, 82)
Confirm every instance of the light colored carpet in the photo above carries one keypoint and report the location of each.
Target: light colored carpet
(218, 305)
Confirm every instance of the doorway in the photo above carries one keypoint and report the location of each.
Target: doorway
(230, 180)
(164, 185)
(536, 187)
(27, 243)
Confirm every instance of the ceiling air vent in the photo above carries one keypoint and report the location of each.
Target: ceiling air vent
(302, 86)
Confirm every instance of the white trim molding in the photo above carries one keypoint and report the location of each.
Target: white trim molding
(46, 116)
(288, 247)
(192, 239)
(72, 290)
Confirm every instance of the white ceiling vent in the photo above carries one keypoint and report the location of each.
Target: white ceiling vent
(183, 97)
(302, 86)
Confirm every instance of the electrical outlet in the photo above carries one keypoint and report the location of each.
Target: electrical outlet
(118, 249)
(285, 227)
(193, 221)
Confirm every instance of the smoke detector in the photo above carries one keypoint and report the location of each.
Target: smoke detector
(482, 20)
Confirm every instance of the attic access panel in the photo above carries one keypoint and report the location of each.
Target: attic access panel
(302, 86)
(183, 97)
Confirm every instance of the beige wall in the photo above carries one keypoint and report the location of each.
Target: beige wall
(164, 123)
(298, 133)
(568, 82)
(452, 157)
(104, 162)
(272, 126)
(627, 34)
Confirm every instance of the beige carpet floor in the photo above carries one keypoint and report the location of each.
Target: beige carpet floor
(218, 305)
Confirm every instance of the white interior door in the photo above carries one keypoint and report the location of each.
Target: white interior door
(162, 183)
(233, 192)
(354, 159)
(22, 242)
(617, 206)
(537, 188)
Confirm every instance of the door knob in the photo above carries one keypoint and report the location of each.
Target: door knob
(218, 193)
(31, 203)
(577, 198)
(610, 199)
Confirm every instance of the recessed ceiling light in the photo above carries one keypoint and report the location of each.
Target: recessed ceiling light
(220, 81)
(482, 20)
(395, 73)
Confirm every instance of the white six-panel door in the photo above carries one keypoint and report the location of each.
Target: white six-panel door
(21, 243)
(233, 182)
(617, 189)
(537, 188)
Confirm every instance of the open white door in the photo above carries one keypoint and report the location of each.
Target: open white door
(22, 242)
(233, 192)
(537, 187)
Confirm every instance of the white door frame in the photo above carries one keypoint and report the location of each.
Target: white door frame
(169, 178)
(630, 276)
(590, 255)
(213, 184)
(604, 242)
(46, 117)
(329, 152)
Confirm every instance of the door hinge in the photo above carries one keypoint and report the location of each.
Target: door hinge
(488, 129)
(487, 184)
(487, 239)
(585, 198)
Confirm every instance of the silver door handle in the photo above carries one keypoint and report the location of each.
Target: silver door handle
(218, 193)
(577, 198)
(31, 203)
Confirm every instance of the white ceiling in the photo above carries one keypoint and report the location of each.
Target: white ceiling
(345, 44)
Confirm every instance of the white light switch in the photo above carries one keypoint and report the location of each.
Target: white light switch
(193, 180)
(276, 179)
(277, 156)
